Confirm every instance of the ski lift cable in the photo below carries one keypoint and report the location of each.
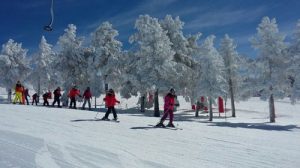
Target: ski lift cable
(49, 27)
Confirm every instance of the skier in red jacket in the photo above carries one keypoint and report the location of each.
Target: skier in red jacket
(110, 102)
(168, 109)
(87, 95)
(72, 94)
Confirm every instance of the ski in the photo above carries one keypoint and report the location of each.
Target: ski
(99, 119)
(171, 128)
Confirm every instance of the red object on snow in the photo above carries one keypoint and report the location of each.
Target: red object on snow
(202, 99)
(221, 105)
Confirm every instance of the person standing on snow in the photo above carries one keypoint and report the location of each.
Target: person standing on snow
(57, 95)
(26, 94)
(35, 98)
(110, 102)
(87, 95)
(18, 92)
(72, 94)
(46, 96)
(168, 109)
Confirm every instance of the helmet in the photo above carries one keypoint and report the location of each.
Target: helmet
(110, 91)
(172, 91)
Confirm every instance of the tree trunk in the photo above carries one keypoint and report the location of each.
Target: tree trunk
(192, 98)
(210, 110)
(39, 90)
(143, 103)
(9, 95)
(272, 109)
(197, 109)
(232, 98)
(156, 104)
(96, 103)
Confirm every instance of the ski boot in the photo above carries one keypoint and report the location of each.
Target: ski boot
(105, 119)
(160, 124)
(170, 125)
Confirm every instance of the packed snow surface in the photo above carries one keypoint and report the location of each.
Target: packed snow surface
(36, 136)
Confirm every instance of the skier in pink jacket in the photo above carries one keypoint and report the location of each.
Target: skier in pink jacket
(168, 109)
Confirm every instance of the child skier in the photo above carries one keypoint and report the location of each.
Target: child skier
(72, 94)
(35, 98)
(110, 102)
(46, 96)
(26, 94)
(57, 95)
(87, 95)
(168, 109)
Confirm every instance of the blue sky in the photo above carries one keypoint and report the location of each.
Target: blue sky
(23, 20)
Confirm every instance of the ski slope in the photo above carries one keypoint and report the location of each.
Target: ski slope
(41, 137)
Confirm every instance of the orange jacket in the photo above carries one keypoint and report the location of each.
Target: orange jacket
(19, 88)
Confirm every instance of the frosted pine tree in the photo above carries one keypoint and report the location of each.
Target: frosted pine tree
(211, 82)
(71, 62)
(14, 65)
(270, 44)
(250, 74)
(193, 50)
(184, 49)
(154, 56)
(105, 62)
(231, 62)
(42, 76)
(129, 81)
(294, 68)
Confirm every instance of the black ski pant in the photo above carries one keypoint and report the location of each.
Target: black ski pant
(73, 101)
(56, 99)
(89, 103)
(34, 101)
(46, 103)
(109, 110)
(26, 98)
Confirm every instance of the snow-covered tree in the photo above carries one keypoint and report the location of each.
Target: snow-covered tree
(184, 49)
(128, 77)
(211, 82)
(71, 62)
(105, 62)
(193, 50)
(250, 73)
(231, 62)
(14, 65)
(270, 44)
(154, 57)
(294, 68)
(42, 77)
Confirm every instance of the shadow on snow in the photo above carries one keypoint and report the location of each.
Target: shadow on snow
(261, 126)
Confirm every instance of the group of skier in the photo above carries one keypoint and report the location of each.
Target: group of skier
(109, 99)
(22, 94)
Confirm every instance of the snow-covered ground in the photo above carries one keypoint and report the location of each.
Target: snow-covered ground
(32, 136)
